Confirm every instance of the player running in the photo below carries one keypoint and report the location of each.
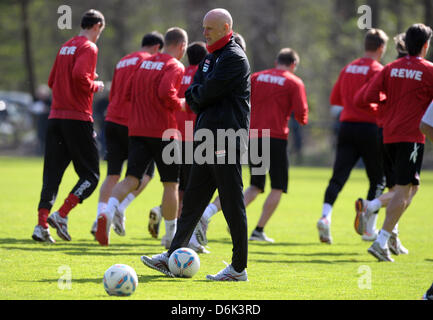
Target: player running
(275, 94)
(407, 86)
(70, 135)
(358, 135)
(116, 130)
(195, 52)
(153, 91)
(367, 227)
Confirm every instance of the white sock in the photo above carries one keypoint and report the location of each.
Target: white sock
(371, 223)
(113, 203)
(210, 211)
(126, 202)
(374, 205)
(102, 207)
(170, 228)
(327, 211)
(383, 238)
(395, 230)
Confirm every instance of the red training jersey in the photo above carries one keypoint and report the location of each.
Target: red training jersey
(275, 94)
(72, 80)
(153, 92)
(408, 85)
(355, 75)
(119, 107)
(182, 117)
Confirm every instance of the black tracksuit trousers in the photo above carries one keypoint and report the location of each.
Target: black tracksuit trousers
(66, 141)
(357, 140)
(203, 181)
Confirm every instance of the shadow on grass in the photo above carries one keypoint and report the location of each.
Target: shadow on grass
(267, 244)
(310, 261)
(323, 254)
(80, 247)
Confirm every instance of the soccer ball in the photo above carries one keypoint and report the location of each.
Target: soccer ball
(184, 263)
(120, 280)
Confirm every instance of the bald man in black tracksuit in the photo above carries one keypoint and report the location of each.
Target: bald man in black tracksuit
(220, 96)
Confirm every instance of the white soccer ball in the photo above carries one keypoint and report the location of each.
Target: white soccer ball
(184, 263)
(120, 280)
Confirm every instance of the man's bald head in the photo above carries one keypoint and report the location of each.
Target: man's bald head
(217, 23)
(220, 15)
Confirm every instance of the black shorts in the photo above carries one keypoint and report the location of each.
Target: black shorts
(278, 166)
(143, 151)
(117, 141)
(406, 158)
(386, 163)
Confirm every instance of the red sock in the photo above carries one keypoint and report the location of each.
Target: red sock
(71, 201)
(42, 217)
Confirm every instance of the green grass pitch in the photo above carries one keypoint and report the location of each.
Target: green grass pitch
(296, 267)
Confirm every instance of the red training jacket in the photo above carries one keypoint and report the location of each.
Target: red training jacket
(355, 75)
(275, 94)
(153, 92)
(72, 80)
(408, 85)
(182, 117)
(119, 107)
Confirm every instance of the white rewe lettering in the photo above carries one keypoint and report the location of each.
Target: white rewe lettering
(355, 69)
(67, 50)
(186, 80)
(267, 78)
(406, 74)
(126, 63)
(150, 65)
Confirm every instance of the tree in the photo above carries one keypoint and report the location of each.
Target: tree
(26, 34)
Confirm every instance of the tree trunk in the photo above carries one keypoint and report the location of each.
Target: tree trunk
(26, 33)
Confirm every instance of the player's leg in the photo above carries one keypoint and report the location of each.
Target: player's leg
(198, 193)
(370, 147)
(139, 157)
(347, 155)
(169, 171)
(409, 157)
(230, 189)
(279, 174)
(80, 141)
(116, 137)
(85, 158)
(56, 160)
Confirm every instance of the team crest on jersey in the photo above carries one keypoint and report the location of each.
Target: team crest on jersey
(206, 65)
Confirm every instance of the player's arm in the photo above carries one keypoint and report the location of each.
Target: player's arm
(169, 87)
(426, 125)
(374, 91)
(113, 87)
(336, 98)
(83, 71)
(227, 73)
(52, 74)
(300, 104)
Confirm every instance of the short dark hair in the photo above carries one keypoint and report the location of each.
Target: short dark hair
(92, 17)
(400, 45)
(174, 36)
(287, 57)
(240, 41)
(196, 52)
(416, 37)
(152, 39)
(374, 39)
